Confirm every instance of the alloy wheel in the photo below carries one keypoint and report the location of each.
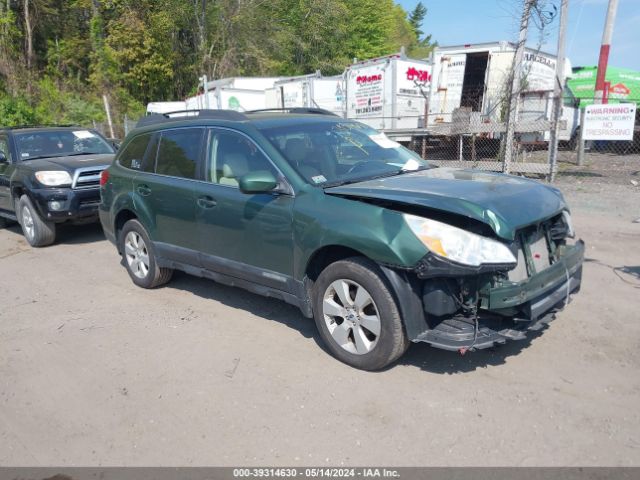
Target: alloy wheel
(351, 316)
(137, 254)
(27, 222)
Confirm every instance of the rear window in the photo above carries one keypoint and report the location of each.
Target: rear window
(179, 152)
(132, 156)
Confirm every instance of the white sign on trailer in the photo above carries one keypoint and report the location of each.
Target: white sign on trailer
(609, 122)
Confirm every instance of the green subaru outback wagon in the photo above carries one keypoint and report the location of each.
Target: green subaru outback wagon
(378, 246)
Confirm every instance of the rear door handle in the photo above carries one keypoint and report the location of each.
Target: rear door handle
(144, 190)
(206, 202)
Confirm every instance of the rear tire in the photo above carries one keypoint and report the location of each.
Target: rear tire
(38, 232)
(357, 316)
(139, 257)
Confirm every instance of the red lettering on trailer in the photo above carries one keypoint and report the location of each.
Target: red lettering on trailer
(421, 76)
(368, 78)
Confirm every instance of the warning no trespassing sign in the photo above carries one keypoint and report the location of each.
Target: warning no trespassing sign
(609, 122)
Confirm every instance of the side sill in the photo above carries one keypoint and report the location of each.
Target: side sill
(300, 301)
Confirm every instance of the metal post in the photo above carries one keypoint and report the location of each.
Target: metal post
(108, 110)
(473, 148)
(558, 90)
(460, 145)
(603, 60)
(581, 139)
(514, 98)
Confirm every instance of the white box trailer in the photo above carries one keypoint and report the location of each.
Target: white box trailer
(310, 91)
(235, 93)
(165, 107)
(388, 92)
(476, 76)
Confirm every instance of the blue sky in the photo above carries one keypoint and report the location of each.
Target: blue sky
(455, 22)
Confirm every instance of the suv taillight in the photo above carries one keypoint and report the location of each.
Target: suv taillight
(104, 177)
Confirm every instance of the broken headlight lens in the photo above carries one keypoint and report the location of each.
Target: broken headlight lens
(458, 245)
(54, 178)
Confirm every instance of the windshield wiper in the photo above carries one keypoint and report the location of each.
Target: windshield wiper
(337, 183)
(409, 170)
(73, 154)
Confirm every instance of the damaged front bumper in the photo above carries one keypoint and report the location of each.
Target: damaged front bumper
(506, 310)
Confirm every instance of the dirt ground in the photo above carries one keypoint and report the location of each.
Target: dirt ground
(94, 371)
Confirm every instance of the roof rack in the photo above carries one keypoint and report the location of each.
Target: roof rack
(313, 111)
(188, 114)
(43, 125)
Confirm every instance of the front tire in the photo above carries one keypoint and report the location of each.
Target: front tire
(357, 316)
(38, 232)
(139, 257)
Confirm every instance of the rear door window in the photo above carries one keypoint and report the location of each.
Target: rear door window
(179, 152)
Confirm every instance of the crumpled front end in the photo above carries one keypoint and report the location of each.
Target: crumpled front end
(460, 308)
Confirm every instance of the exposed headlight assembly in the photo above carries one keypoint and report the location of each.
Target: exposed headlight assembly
(54, 178)
(458, 245)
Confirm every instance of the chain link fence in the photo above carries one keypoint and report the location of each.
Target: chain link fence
(121, 127)
(473, 135)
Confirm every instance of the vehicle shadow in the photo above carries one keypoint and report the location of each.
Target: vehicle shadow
(442, 362)
(237, 298)
(68, 234)
(419, 355)
(79, 234)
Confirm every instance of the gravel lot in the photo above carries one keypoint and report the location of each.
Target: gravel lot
(94, 371)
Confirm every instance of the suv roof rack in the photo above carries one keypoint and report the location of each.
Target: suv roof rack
(43, 125)
(310, 110)
(190, 114)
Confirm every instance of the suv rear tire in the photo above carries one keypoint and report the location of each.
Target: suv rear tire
(139, 257)
(38, 232)
(357, 315)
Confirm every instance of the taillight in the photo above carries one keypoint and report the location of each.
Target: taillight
(104, 177)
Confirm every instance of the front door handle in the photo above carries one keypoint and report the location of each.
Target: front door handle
(206, 202)
(144, 190)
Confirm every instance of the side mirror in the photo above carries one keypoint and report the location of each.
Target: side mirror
(257, 182)
(115, 144)
(3, 157)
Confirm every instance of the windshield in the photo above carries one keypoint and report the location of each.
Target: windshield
(333, 153)
(59, 143)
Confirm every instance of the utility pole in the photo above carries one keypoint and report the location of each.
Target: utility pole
(558, 90)
(604, 52)
(514, 98)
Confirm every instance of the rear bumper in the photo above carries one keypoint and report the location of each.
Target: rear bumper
(64, 204)
(510, 311)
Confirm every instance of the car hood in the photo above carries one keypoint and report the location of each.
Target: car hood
(69, 163)
(503, 202)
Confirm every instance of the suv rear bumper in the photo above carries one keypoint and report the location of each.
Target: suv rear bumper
(75, 205)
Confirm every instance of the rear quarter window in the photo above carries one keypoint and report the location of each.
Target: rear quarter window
(133, 155)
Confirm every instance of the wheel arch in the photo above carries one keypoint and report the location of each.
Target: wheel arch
(122, 217)
(326, 255)
(402, 285)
